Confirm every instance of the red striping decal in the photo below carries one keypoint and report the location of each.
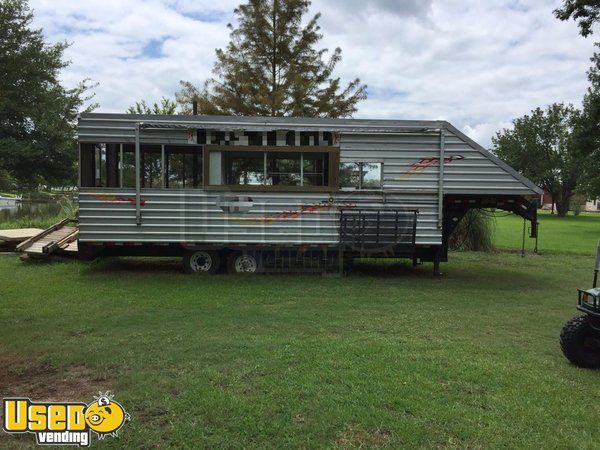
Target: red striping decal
(424, 163)
(115, 199)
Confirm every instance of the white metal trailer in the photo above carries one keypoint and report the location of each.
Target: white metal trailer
(250, 189)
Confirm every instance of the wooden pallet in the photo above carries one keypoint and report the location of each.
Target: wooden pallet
(61, 237)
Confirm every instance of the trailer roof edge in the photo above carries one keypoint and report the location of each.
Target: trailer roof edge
(526, 181)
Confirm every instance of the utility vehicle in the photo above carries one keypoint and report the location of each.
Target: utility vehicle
(580, 337)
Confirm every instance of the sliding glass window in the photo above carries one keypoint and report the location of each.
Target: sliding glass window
(271, 168)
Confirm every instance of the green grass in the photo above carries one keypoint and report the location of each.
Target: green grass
(573, 234)
(387, 356)
(44, 221)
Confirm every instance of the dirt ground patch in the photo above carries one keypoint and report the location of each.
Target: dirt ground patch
(36, 378)
(357, 437)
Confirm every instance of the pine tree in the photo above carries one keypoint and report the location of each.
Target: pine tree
(166, 106)
(272, 68)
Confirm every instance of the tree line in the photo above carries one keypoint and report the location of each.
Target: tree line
(558, 147)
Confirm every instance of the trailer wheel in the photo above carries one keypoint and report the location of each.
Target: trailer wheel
(201, 261)
(579, 343)
(239, 262)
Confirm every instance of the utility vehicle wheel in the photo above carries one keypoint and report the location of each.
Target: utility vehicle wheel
(579, 343)
(242, 263)
(201, 261)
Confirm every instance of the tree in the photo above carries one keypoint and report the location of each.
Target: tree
(167, 106)
(586, 12)
(37, 114)
(272, 68)
(588, 132)
(544, 147)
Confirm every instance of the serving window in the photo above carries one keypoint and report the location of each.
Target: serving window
(183, 167)
(162, 166)
(98, 165)
(271, 168)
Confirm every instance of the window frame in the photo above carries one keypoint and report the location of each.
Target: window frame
(164, 150)
(333, 167)
(359, 163)
(189, 149)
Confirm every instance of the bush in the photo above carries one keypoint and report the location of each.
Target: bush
(68, 209)
(474, 232)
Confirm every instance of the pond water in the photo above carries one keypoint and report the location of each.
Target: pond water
(33, 210)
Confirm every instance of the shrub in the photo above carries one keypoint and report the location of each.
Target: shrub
(474, 232)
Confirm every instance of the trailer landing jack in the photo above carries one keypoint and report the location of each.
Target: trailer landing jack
(436, 265)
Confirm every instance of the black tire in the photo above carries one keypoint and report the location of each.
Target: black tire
(244, 263)
(579, 343)
(201, 261)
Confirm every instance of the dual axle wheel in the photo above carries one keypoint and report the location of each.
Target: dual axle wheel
(209, 262)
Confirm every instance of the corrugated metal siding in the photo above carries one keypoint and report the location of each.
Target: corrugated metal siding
(477, 173)
(120, 131)
(170, 215)
(474, 173)
(399, 152)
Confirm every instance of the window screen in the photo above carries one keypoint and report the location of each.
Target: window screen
(283, 169)
(127, 165)
(182, 167)
(316, 169)
(349, 175)
(243, 168)
(151, 158)
(100, 174)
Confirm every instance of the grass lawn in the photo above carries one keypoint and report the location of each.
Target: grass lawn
(388, 356)
(576, 234)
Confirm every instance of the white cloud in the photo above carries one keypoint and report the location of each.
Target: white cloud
(476, 64)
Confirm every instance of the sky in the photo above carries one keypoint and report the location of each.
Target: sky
(478, 64)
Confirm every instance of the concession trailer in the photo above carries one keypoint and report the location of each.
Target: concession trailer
(283, 194)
